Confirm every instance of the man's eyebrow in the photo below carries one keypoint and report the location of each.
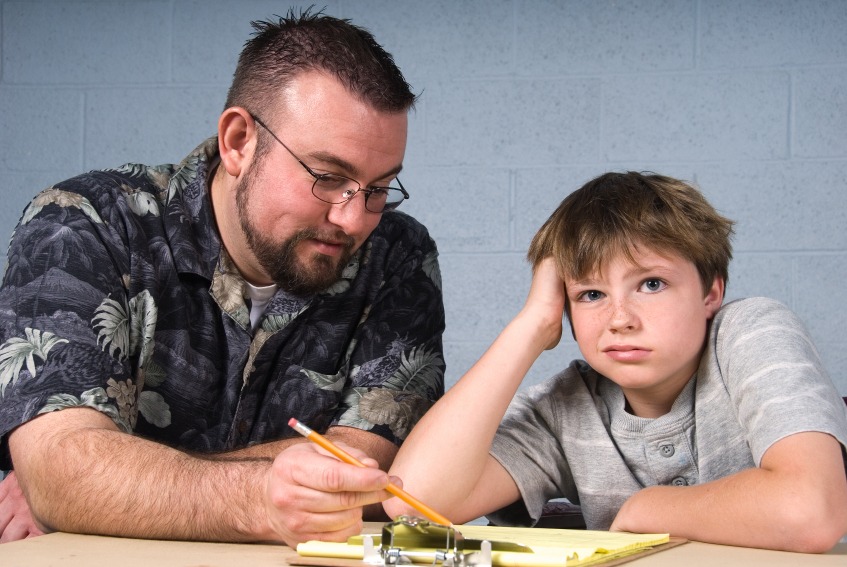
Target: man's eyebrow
(348, 168)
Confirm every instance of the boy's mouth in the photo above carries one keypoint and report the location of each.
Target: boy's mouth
(626, 353)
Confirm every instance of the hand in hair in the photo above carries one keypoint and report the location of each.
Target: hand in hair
(545, 303)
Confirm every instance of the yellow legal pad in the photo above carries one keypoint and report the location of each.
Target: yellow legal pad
(546, 547)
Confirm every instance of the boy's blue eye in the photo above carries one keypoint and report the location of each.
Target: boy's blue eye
(653, 285)
(591, 295)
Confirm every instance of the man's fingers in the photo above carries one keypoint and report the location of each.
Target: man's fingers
(16, 530)
(330, 526)
(309, 466)
(360, 455)
(313, 495)
(328, 491)
(15, 518)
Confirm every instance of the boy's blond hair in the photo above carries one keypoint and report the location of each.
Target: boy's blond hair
(617, 212)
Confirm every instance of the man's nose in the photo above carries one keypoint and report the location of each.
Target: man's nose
(351, 215)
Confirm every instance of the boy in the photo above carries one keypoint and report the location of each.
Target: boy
(712, 423)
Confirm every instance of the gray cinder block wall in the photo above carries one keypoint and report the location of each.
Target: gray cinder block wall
(521, 102)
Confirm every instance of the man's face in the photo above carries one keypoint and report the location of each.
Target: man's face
(643, 325)
(281, 260)
(292, 238)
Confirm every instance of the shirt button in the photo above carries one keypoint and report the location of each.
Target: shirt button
(666, 450)
(679, 481)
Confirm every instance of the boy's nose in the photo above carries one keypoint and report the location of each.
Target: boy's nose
(622, 317)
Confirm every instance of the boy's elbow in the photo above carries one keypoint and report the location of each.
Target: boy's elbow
(818, 540)
(395, 507)
(816, 529)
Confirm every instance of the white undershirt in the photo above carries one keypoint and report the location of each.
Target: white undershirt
(259, 299)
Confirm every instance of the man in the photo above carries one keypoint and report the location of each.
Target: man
(160, 325)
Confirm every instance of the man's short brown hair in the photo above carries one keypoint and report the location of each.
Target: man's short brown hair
(283, 48)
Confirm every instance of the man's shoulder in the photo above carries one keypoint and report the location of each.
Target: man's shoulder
(131, 179)
(396, 225)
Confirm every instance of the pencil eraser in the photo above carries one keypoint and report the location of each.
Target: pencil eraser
(292, 422)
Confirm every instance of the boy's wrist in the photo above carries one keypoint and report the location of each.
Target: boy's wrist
(538, 328)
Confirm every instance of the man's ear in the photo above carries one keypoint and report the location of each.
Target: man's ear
(236, 139)
(714, 297)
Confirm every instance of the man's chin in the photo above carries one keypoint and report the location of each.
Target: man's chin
(321, 272)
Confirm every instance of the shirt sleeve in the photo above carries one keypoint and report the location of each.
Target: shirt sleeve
(773, 374)
(55, 351)
(527, 446)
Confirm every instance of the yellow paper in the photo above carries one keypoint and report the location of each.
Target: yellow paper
(550, 547)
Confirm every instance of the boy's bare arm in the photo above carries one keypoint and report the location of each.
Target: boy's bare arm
(796, 501)
(445, 461)
(81, 474)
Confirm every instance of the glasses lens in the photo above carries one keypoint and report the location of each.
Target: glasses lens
(381, 199)
(334, 189)
(337, 189)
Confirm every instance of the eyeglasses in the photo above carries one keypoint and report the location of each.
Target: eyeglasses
(336, 189)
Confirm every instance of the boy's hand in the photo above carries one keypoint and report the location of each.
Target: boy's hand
(546, 301)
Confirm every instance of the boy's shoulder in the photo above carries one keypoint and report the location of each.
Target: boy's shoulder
(752, 312)
(572, 382)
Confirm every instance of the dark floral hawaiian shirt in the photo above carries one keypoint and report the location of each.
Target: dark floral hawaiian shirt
(119, 296)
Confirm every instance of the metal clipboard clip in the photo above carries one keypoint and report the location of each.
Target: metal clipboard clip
(410, 540)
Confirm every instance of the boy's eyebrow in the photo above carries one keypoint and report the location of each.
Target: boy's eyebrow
(634, 270)
(584, 282)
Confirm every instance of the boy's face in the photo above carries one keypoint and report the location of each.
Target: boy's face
(644, 325)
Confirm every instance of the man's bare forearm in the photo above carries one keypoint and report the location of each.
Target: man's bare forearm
(381, 450)
(86, 476)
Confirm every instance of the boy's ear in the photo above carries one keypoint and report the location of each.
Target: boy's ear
(714, 297)
(236, 139)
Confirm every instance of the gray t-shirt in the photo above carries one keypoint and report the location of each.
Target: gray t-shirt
(760, 380)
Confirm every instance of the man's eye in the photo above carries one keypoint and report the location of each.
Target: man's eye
(330, 182)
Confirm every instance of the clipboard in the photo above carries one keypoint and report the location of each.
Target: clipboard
(410, 540)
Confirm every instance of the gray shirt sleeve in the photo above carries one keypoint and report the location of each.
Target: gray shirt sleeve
(527, 445)
(761, 355)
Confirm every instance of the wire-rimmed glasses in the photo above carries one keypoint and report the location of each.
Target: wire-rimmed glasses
(336, 189)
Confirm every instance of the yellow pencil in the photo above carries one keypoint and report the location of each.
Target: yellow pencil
(319, 439)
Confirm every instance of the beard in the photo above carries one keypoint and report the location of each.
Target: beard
(280, 259)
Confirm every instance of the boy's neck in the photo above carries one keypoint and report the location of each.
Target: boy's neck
(651, 404)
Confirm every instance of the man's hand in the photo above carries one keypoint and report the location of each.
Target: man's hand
(16, 521)
(312, 495)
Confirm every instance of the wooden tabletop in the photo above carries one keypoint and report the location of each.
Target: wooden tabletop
(73, 550)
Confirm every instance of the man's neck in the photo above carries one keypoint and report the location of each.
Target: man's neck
(225, 212)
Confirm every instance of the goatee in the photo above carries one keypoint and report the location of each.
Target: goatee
(280, 259)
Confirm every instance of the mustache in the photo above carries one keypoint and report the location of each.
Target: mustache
(337, 237)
